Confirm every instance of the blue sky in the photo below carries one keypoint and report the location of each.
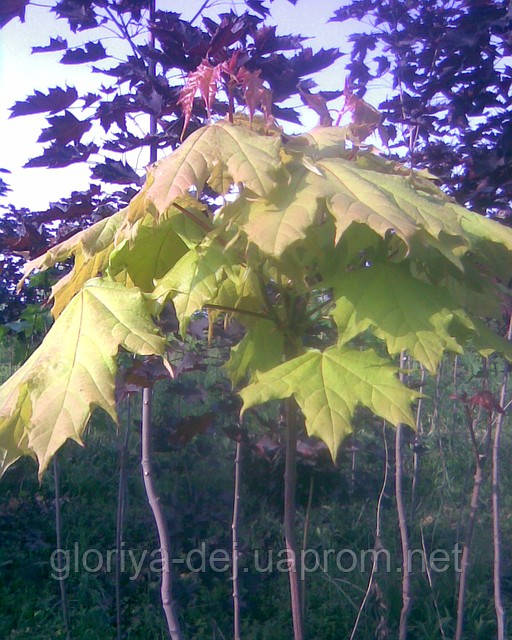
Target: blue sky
(21, 72)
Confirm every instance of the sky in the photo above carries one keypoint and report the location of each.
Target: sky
(22, 72)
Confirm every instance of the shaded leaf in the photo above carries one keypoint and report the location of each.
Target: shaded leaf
(116, 172)
(149, 255)
(410, 315)
(56, 100)
(56, 44)
(91, 52)
(191, 282)
(64, 129)
(261, 348)
(10, 9)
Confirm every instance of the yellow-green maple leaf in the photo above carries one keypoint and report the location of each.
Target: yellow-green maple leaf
(192, 282)
(246, 156)
(277, 222)
(261, 348)
(328, 386)
(410, 315)
(152, 252)
(51, 397)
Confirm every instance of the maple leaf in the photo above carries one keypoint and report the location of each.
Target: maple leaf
(149, 255)
(365, 118)
(91, 52)
(64, 129)
(246, 156)
(318, 103)
(486, 400)
(11, 9)
(56, 44)
(256, 95)
(329, 385)
(51, 397)
(382, 248)
(80, 15)
(193, 281)
(232, 28)
(410, 315)
(56, 100)
(91, 249)
(204, 79)
(142, 251)
(261, 349)
(259, 7)
(58, 155)
(115, 171)
(4, 187)
(274, 224)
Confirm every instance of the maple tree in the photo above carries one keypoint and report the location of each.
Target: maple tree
(316, 245)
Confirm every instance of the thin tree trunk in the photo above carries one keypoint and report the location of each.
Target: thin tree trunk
(496, 533)
(475, 494)
(377, 546)
(58, 534)
(234, 539)
(307, 520)
(290, 475)
(161, 524)
(353, 469)
(153, 151)
(121, 499)
(153, 499)
(431, 585)
(402, 524)
(404, 536)
(417, 443)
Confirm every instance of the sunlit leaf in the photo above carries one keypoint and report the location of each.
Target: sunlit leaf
(329, 385)
(51, 397)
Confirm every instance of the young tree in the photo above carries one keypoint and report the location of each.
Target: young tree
(313, 231)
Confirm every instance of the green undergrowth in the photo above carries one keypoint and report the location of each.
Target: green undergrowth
(196, 484)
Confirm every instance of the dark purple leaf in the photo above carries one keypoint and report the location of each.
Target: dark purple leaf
(231, 29)
(183, 45)
(10, 9)
(115, 111)
(56, 44)
(4, 187)
(133, 70)
(56, 100)
(116, 172)
(64, 129)
(79, 13)
(59, 155)
(266, 40)
(91, 52)
(78, 205)
(258, 6)
(89, 98)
